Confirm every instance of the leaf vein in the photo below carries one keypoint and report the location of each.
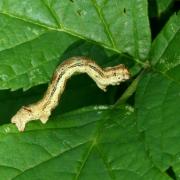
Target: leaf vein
(104, 23)
(107, 165)
(53, 15)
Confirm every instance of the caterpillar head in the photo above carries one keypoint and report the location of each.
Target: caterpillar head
(117, 74)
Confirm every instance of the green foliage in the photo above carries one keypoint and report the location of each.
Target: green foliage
(126, 132)
(159, 7)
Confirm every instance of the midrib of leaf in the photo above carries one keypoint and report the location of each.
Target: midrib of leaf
(93, 143)
(84, 161)
(68, 31)
(29, 21)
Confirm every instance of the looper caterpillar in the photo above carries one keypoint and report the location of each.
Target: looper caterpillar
(42, 109)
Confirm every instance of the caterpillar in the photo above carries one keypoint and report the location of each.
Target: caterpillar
(42, 109)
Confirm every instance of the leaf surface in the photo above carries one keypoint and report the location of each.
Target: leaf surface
(89, 143)
(158, 99)
(45, 29)
(97, 142)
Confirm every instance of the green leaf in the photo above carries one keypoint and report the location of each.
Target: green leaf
(90, 143)
(34, 34)
(157, 105)
(164, 48)
(165, 52)
(158, 99)
(32, 63)
(97, 142)
(158, 7)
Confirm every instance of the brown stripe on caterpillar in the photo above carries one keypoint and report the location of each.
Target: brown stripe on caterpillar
(97, 70)
(56, 78)
(26, 108)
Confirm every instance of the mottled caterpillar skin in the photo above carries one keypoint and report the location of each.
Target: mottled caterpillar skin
(42, 109)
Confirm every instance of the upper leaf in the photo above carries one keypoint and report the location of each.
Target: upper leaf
(31, 37)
